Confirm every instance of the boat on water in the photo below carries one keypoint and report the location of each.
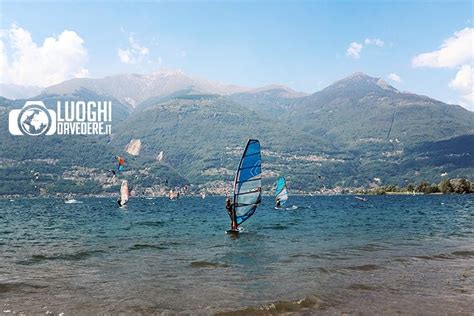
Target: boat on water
(71, 201)
(360, 198)
(281, 193)
(203, 195)
(247, 187)
(124, 194)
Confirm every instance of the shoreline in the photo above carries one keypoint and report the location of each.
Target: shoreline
(197, 195)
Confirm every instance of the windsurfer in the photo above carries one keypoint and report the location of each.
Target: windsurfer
(230, 210)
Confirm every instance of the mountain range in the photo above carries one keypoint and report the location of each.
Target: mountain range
(176, 130)
(132, 89)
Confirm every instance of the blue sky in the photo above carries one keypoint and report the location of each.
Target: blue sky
(300, 44)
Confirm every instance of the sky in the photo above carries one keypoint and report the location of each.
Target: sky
(425, 47)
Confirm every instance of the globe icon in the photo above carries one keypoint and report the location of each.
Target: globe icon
(34, 120)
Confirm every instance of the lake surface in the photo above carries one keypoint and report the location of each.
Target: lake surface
(331, 255)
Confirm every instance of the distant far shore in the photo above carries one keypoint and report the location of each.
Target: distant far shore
(61, 197)
(446, 186)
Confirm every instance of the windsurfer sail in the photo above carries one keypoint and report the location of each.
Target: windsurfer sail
(123, 199)
(247, 186)
(281, 192)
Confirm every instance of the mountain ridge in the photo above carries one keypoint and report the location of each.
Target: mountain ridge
(134, 88)
(345, 135)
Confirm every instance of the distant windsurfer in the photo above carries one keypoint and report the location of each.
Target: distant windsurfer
(230, 210)
(124, 194)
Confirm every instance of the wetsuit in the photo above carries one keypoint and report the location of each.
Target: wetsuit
(230, 209)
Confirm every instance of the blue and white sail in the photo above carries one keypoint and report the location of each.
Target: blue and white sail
(248, 182)
(281, 192)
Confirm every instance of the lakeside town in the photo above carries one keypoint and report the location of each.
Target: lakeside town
(107, 186)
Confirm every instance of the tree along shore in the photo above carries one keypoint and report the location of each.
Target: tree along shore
(446, 186)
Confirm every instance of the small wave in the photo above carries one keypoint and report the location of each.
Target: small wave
(302, 255)
(307, 304)
(150, 223)
(402, 260)
(453, 255)
(365, 267)
(207, 264)
(68, 257)
(463, 253)
(324, 270)
(370, 248)
(276, 226)
(435, 257)
(147, 246)
(361, 287)
(17, 287)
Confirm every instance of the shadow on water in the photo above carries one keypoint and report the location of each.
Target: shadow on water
(76, 256)
(20, 287)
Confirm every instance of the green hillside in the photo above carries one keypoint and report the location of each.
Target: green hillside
(354, 133)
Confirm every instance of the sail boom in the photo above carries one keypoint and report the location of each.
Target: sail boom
(256, 179)
(248, 192)
(257, 166)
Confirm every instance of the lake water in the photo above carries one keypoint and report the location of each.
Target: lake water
(331, 255)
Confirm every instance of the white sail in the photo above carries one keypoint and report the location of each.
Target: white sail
(124, 192)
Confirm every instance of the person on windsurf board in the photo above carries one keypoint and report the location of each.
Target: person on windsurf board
(281, 193)
(247, 188)
(124, 194)
(230, 210)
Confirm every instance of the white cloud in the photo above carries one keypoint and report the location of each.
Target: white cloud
(463, 83)
(454, 51)
(134, 54)
(23, 62)
(463, 80)
(354, 50)
(394, 77)
(374, 41)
